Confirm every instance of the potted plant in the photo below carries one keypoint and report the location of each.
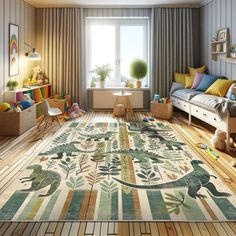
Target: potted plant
(12, 85)
(138, 70)
(102, 72)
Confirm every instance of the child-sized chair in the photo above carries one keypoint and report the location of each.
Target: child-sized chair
(49, 114)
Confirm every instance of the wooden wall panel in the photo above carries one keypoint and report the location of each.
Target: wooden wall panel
(215, 15)
(14, 11)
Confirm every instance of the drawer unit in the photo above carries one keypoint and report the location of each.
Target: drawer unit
(182, 105)
(207, 116)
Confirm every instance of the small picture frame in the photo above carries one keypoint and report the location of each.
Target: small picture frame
(233, 51)
(218, 47)
(13, 50)
(222, 34)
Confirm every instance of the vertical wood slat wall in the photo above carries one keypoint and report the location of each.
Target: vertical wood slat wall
(215, 15)
(23, 14)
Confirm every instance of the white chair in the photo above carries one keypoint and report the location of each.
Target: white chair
(49, 114)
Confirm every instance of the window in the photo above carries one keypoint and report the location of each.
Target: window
(116, 41)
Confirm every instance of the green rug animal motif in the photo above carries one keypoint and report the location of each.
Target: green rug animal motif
(67, 148)
(117, 171)
(194, 181)
(40, 179)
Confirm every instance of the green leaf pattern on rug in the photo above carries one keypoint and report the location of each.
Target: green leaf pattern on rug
(174, 203)
(68, 166)
(75, 183)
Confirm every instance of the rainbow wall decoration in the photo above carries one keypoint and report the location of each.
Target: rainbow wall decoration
(13, 50)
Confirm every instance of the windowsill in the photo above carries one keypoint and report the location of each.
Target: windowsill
(118, 88)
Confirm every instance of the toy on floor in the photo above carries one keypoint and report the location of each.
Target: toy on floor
(15, 107)
(147, 119)
(219, 140)
(208, 150)
(74, 112)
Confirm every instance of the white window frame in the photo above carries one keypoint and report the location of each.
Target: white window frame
(118, 22)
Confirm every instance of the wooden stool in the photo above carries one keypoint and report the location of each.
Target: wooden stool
(119, 110)
(126, 97)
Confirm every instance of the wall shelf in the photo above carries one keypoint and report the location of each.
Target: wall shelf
(220, 47)
(229, 60)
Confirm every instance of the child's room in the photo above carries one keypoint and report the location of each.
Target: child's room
(117, 117)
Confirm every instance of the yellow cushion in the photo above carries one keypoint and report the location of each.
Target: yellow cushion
(189, 81)
(193, 71)
(220, 87)
(180, 78)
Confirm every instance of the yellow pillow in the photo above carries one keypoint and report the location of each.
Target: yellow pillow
(219, 87)
(189, 81)
(180, 78)
(193, 71)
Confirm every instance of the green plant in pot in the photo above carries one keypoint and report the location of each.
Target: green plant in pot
(138, 70)
(102, 72)
(12, 85)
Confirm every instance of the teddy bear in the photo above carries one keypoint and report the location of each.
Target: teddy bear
(219, 140)
(39, 76)
(26, 97)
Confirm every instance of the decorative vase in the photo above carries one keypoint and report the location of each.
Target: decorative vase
(138, 83)
(102, 83)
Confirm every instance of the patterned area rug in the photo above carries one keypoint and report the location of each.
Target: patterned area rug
(117, 171)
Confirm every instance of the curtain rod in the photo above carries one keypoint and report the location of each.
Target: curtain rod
(119, 6)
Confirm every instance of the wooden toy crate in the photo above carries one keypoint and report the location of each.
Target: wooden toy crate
(162, 110)
(17, 123)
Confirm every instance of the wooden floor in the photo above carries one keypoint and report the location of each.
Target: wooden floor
(16, 152)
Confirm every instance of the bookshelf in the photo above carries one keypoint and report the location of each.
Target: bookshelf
(37, 93)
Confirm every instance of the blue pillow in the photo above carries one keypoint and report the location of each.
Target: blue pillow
(206, 82)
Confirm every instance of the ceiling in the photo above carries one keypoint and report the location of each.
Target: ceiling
(57, 3)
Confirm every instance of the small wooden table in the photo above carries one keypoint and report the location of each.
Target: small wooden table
(126, 96)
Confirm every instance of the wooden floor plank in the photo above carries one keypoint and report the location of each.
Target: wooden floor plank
(42, 229)
(35, 228)
(220, 229)
(210, 227)
(51, 227)
(137, 229)
(228, 229)
(66, 228)
(186, 229)
(104, 228)
(59, 229)
(11, 228)
(20, 228)
(28, 229)
(203, 229)
(123, 229)
(170, 227)
(162, 229)
(82, 229)
(233, 226)
(74, 228)
(154, 229)
(4, 227)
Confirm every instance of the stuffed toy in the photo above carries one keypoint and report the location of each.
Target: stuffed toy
(26, 97)
(25, 105)
(219, 140)
(38, 76)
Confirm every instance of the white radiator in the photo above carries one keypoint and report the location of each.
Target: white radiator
(106, 99)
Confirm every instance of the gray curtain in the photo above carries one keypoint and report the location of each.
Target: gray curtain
(61, 51)
(172, 46)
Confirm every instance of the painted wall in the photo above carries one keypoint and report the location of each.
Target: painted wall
(215, 15)
(20, 13)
